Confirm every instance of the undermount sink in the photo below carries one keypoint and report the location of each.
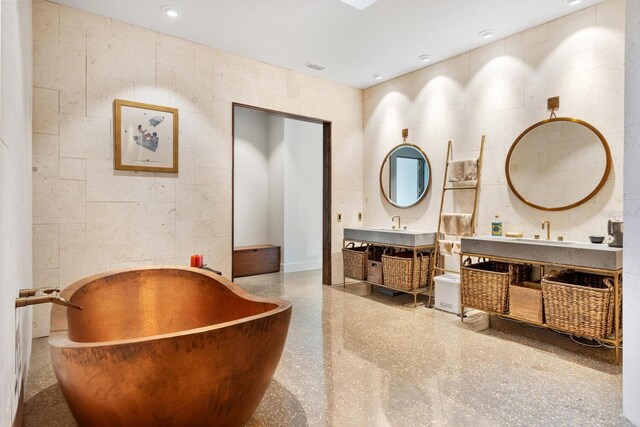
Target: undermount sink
(394, 230)
(388, 236)
(543, 242)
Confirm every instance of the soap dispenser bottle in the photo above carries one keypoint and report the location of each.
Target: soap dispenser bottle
(496, 226)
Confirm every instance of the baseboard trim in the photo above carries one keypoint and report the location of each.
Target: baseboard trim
(293, 267)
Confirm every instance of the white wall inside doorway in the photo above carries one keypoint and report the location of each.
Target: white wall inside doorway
(251, 169)
(278, 186)
(302, 196)
(16, 40)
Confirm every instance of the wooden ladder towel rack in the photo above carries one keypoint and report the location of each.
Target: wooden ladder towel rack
(436, 263)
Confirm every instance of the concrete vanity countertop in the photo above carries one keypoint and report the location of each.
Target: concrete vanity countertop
(384, 236)
(578, 254)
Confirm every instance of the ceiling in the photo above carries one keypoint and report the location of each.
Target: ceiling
(385, 38)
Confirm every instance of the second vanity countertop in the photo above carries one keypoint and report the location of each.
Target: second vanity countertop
(578, 254)
(385, 236)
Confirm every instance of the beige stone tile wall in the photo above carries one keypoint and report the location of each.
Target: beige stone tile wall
(499, 90)
(631, 291)
(89, 217)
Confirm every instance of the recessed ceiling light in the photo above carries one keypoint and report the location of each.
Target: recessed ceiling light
(359, 4)
(573, 2)
(487, 34)
(171, 11)
(376, 76)
(425, 58)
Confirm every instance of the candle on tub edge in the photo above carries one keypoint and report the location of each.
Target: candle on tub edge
(194, 260)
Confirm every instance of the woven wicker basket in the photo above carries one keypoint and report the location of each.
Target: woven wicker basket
(580, 303)
(355, 261)
(612, 313)
(485, 285)
(400, 272)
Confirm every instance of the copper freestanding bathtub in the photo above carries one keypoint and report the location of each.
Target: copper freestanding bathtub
(165, 346)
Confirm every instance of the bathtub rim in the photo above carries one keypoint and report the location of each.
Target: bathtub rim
(59, 337)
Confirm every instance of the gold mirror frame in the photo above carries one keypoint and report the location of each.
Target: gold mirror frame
(607, 169)
(426, 190)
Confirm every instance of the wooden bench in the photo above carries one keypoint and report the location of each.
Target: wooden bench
(254, 260)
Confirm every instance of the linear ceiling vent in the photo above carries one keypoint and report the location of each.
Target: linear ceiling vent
(314, 66)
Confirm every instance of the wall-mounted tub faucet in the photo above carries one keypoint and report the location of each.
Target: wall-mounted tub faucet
(29, 297)
(34, 291)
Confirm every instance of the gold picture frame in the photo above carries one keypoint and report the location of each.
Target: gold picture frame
(146, 137)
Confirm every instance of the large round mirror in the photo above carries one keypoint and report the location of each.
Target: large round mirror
(405, 175)
(558, 164)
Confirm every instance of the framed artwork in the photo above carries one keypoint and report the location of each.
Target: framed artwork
(146, 137)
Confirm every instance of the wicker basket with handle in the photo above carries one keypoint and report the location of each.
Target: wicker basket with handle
(400, 272)
(580, 303)
(355, 261)
(485, 285)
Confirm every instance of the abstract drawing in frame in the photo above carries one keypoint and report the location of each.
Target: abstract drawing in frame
(146, 137)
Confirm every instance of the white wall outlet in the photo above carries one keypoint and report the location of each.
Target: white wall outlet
(339, 217)
(359, 216)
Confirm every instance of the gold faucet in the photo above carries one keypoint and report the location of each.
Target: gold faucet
(394, 222)
(34, 291)
(548, 223)
(29, 297)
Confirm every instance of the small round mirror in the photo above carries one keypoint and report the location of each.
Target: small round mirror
(558, 164)
(405, 175)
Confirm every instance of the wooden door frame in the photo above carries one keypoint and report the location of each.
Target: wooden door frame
(326, 181)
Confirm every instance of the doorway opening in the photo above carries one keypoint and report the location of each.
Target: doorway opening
(281, 192)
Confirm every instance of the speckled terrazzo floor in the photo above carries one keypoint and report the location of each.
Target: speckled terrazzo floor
(357, 358)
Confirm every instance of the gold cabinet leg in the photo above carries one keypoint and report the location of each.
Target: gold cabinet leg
(616, 310)
(461, 300)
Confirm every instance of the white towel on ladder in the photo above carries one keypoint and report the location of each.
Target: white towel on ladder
(463, 170)
(449, 247)
(445, 247)
(456, 224)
